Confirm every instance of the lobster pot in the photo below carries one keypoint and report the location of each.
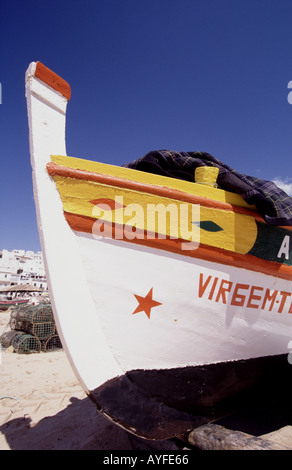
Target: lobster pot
(40, 330)
(43, 330)
(26, 344)
(52, 344)
(32, 314)
(7, 338)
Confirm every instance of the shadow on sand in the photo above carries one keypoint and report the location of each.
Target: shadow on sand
(77, 427)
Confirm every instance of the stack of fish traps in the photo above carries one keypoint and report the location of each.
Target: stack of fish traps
(32, 329)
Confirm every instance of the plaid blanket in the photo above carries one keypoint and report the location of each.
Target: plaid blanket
(273, 203)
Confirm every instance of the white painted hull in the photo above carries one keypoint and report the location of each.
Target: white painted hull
(185, 329)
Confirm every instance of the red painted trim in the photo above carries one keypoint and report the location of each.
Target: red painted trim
(82, 223)
(53, 80)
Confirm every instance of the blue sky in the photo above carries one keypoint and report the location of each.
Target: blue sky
(209, 75)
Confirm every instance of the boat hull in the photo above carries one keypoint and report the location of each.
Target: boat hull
(161, 404)
(194, 357)
(162, 328)
(162, 310)
(5, 305)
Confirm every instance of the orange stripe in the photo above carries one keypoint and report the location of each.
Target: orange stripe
(53, 80)
(162, 191)
(82, 223)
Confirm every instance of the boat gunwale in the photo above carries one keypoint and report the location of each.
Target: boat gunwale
(54, 169)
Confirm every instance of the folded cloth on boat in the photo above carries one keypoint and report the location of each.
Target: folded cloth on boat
(273, 203)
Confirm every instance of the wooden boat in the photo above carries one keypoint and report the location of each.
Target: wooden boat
(7, 303)
(162, 324)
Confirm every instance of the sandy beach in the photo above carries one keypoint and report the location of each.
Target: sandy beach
(43, 407)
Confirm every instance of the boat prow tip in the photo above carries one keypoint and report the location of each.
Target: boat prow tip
(44, 74)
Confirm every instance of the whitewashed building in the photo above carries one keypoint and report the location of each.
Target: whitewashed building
(22, 267)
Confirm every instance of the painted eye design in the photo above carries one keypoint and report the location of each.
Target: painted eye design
(208, 225)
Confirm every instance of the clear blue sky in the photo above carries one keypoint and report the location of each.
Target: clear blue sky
(209, 75)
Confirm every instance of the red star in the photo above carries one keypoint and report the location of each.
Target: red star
(146, 303)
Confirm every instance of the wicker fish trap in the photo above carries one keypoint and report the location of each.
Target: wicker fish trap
(52, 344)
(7, 337)
(42, 330)
(25, 344)
(32, 313)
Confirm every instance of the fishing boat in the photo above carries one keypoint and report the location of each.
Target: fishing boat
(5, 304)
(171, 297)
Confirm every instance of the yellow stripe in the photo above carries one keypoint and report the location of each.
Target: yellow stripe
(238, 231)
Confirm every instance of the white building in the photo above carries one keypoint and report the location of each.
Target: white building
(22, 267)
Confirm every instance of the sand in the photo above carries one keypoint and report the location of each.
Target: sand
(43, 407)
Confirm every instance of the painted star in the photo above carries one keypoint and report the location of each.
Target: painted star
(146, 303)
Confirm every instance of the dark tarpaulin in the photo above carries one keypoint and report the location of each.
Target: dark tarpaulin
(273, 203)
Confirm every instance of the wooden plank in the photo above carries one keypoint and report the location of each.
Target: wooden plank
(216, 437)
